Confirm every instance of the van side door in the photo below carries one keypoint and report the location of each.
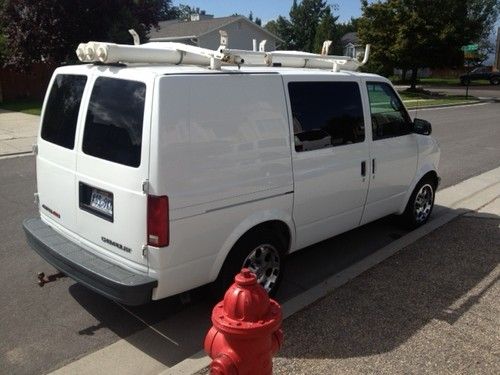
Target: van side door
(393, 151)
(329, 155)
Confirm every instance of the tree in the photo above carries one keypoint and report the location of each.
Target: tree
(3, 39)
(50, 30)
(326, 30)
(168, 11)
(183, 12)
(282, 28)
(413, 34)
(257, 20)
(305, 18)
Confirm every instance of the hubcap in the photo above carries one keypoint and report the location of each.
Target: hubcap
(423, 203)
(264, 261)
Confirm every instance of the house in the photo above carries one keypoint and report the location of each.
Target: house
(351, 45)
(203, 31)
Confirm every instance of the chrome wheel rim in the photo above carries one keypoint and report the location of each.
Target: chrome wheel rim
(264, 261)
(423, 203)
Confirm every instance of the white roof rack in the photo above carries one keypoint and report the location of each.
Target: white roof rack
(179, 53)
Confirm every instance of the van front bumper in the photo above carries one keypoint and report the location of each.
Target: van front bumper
(103, 277)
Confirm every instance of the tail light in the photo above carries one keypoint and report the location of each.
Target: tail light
(158, 221)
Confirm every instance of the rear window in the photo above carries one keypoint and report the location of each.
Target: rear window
(113, 128)
(61, 110)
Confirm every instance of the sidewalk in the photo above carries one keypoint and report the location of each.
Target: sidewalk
(431, 308)
(18, 132)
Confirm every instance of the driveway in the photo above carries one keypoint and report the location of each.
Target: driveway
(18, 132)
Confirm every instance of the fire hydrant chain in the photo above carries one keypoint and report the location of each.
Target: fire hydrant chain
(246, 331)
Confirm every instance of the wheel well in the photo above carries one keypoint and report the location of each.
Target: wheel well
(433, 176)
(277, 227)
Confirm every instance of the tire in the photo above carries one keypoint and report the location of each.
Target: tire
(256, 247)
(495, 80)
(420, 205)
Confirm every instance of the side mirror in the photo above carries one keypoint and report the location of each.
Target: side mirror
(423, 127)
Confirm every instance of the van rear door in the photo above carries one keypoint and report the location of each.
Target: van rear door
(112, 165)
(56, 159)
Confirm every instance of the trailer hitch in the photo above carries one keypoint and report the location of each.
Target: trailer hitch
(42, 279)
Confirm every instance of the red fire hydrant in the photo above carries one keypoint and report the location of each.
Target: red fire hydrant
(246, 330)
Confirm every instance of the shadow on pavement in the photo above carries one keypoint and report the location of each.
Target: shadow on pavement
(367, 313)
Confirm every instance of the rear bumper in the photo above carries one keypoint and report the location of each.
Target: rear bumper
(103, 277)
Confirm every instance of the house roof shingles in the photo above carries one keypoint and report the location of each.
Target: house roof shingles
(178, 28)
(350, 38)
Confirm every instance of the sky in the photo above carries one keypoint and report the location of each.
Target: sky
(266, 10)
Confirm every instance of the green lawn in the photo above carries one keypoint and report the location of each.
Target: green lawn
(31, 107)
(451, 82)
(414, 100)
(444, 82)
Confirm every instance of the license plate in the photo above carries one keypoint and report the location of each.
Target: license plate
(102, 201)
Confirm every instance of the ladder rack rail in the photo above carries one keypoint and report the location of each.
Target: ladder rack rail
(179, 53)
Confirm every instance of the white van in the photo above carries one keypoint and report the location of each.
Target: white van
(156, 179)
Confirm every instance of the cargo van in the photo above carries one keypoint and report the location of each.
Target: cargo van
(154, 179)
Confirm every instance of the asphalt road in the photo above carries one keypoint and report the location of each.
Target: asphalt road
(42, 329)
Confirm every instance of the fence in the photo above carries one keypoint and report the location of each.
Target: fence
(25, 85)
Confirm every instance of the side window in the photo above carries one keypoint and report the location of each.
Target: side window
(389, 117)
(326, 114)
(61, 110)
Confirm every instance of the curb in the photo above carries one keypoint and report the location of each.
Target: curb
(16, 154)
(449, 105)
(457, 201)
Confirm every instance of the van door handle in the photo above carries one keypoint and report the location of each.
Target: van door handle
(373, 166)
(363, 168)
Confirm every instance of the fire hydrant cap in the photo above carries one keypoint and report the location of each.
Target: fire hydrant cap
(245, 277)
(246, 308)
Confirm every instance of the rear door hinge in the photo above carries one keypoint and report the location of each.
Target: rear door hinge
(145, 186)
(34, 148)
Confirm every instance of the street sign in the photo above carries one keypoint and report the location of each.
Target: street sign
(470, 48)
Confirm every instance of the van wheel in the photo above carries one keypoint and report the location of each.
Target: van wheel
(420, 205)
(495, 81)
(262, 253)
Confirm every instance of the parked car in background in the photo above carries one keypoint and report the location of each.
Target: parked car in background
(481, 72)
